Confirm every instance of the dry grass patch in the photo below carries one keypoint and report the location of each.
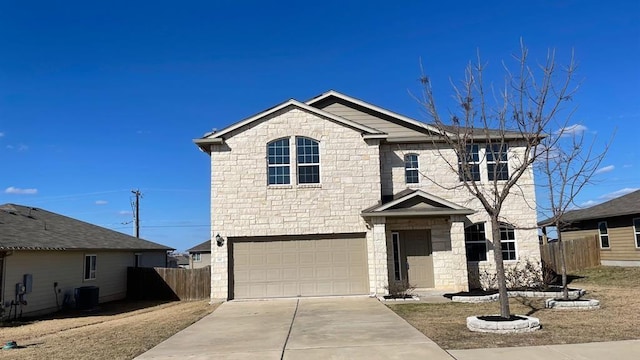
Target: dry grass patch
(117, 333)
(617, 289)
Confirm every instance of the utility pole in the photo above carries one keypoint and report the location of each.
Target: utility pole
(136, 212)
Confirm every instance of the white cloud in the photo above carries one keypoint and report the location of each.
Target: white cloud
(618, 193)
(101, 202)
(588, 203)
(626, 166)
(18, 191)
(575, 129)
(605, 169)
(21, 147)
(125, 212)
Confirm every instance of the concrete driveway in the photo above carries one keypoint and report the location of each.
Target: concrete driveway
(322, 328)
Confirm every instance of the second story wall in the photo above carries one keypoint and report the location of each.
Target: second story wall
(244, 204)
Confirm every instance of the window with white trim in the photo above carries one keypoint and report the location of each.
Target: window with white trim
(278, 160)
(90, 266)
(636, 231)
(469, 164)
(475, 242)
(603, 232)
(411, 169)
(497, 165)
(508, 242)
(308, 154)
(197, 257)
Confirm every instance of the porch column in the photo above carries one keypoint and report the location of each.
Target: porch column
(459, 252)
(377, 253)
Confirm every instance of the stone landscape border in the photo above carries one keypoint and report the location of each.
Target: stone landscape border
(527, 324)
(572, 305)
(412, 298)
(573, 294)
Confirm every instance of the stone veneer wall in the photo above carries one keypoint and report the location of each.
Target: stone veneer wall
(519, 208)
(242, 204)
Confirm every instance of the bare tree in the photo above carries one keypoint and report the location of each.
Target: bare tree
(567, 166)
(520, 113)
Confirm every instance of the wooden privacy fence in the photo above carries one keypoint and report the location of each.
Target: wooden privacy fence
(579, 254)
(168, 283)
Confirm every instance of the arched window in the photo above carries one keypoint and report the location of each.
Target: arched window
(278, 162)
(308, 153)
(476, 242)
(411, 174)
(508, 242)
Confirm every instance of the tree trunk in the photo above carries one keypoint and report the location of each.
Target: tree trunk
(505, 312)
(563, 266)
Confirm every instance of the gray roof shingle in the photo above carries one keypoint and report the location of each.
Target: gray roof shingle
(624, 205)
(29, 228)
(202, 247)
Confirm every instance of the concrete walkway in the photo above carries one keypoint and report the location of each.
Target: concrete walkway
(618, 350)
(325, 328)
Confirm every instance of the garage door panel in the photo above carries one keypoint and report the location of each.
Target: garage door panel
(285, 268)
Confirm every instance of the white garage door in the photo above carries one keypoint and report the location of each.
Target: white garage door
(286, 268)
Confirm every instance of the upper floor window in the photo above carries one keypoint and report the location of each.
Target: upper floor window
(508, 242)
(636, 230)
(604, 234)
(196, 257)
(411, 169)
(469, 166)
(476, 242)
(90, 266)
(278, 162)
(497, 166)
(308, 154)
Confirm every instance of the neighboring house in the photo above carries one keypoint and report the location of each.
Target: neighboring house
(178, 261)
(336, 196)
(616, 223)
(200, 255)
(45, 256)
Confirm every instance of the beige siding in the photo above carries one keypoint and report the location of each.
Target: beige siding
(622, 245)
(361, 117)
(67, 269)
(205, 260)
(622, 242)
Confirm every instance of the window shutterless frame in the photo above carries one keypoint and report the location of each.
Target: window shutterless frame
(636, 231)
(603, 232)
(278, 162)
(308, 156)
(397, 271)
(508, 242)
(90, 266)
(475, 242)
(411, 169)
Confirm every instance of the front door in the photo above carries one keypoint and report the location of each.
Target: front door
(413, 259)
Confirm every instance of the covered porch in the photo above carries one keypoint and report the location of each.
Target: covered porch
(418, 239)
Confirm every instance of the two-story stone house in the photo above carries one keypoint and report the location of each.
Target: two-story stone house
(336, 196)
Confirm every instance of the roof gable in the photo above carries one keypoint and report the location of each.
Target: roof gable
(219, 136)
(416, 203)
(29, 228)
(202, 247)
(397, 126)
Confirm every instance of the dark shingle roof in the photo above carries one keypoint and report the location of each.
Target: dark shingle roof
(29, 228)
(203, 247)
(624, 205)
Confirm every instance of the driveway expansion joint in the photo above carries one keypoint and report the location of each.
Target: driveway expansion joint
(295, 312)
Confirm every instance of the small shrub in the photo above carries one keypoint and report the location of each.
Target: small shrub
(400, 289)
(526, 274)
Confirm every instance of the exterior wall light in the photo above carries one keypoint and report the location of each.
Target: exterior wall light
(219, 240)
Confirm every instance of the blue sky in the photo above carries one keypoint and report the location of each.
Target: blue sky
(98, 98)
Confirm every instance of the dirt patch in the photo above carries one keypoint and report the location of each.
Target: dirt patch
(117, 331)
(617, 289)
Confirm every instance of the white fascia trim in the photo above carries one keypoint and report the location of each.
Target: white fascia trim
(423, 195)
(296, 103)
